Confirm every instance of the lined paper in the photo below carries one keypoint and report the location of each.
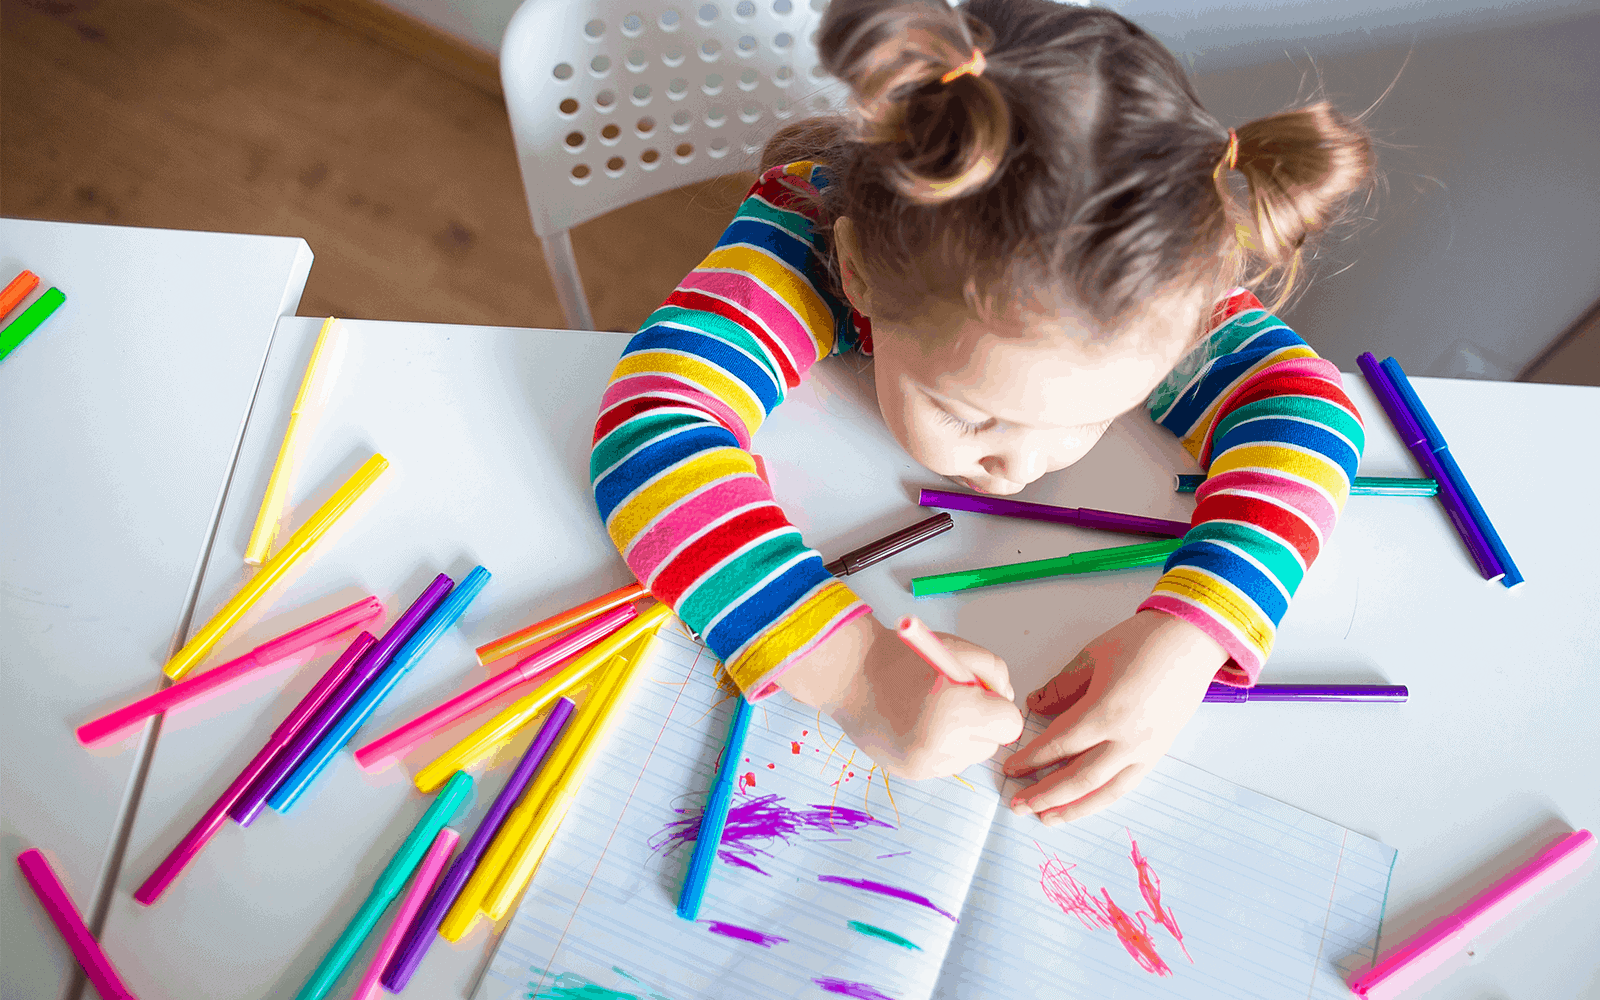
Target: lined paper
(829, 889)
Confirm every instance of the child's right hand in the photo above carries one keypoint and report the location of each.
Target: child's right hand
(911, 719)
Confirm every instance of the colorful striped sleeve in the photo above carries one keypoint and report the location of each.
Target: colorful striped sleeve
(1270, 423)
(671, 465)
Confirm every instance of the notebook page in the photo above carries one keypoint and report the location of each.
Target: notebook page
(1242, 898)
(824, 887)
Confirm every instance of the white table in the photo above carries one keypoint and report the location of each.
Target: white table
(488, 433)
(119, 421)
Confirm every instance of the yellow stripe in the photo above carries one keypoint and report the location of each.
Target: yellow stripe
(795, 631)
(785, 284)
(1226, 603)
(1197, 434)
(707, 467)
(799, 167)
(1307, 465)
(701, 372)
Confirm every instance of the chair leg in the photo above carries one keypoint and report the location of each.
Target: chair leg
(569, 284)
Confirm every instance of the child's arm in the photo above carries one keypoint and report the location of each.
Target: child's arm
(1280, 440)
(676, 486)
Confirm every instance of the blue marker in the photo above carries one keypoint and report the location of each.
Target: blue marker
(449, 611)
(714, 817)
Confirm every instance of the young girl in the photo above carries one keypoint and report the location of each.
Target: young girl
(1032, 226)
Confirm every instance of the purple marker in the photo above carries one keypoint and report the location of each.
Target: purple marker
(1226, 693)
(1416, 442)
(1078, 517)
(426, 927)
(310, 735)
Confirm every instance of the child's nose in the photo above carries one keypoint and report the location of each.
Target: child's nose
(1019, 466)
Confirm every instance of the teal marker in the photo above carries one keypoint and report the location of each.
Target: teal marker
(454, 799)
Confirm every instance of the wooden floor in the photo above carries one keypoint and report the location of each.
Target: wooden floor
(254, 116)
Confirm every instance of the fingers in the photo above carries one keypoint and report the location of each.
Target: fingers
(1063, 738)
(984, 664)
(1063, 690)
(1085, 773)
(1098, 799)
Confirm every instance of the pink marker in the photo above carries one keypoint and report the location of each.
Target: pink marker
(259, 662)
(1434, 944)
(388, 749)
(421, 884)
(58, 906)
(917, 635)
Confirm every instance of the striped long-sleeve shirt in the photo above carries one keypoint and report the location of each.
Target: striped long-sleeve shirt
(677, 488)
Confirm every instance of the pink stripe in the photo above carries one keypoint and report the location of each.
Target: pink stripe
(1307, 501)
(1244, 665)
(644, 385)
(751, 295)
(694, 512)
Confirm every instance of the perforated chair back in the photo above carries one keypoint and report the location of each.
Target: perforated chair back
(611, 103)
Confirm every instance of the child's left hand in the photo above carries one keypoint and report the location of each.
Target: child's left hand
(1118, 705)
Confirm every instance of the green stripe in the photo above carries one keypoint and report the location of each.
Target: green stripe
(737, 579)
(1265, 547)
(632, 434)
(879, 932)
(1317, 411)
(796, 224)
(722, 328)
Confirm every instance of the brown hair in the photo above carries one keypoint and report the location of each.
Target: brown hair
(1079, 158)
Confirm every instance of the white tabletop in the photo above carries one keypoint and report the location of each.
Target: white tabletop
(488, 432)
(119, 422)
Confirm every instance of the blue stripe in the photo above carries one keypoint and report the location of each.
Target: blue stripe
(616, 485)
(775, 240)
(1275, 430)
(1242, 573)
(766, 606)
(731, 360)
(1192, 405)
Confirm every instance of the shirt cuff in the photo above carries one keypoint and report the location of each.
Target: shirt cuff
(757, 667)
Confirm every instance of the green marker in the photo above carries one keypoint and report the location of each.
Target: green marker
(455, 797)
(1121, 557)
(18, 329)
(1360, 486)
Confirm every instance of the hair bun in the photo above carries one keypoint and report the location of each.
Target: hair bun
(937, 139)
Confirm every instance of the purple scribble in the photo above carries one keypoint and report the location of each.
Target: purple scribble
(897, 854)
(743, 933)
(887, 890)
(757, 823)
(846, 988)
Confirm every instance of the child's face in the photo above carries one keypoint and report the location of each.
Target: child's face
(996, 405)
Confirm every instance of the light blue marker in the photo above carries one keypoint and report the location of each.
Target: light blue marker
(714, 817)
(446, 615)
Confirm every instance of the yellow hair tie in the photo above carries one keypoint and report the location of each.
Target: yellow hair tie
(1229, 159)
(975, 66)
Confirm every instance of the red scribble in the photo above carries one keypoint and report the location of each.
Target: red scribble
(1150, 888)
(794, 747)
(771, 767)
(750, 779)
(1100, 913)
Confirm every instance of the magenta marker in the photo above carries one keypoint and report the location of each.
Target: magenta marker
(1078, 517)
(370, 667)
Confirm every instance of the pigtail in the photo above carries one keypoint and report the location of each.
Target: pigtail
(929, 112)
(1301, 167)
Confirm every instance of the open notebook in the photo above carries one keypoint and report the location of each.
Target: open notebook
(833, 882)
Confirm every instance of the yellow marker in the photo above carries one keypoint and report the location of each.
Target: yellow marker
(298, 545)
(483, 740)
(609, 697)
(314, 388)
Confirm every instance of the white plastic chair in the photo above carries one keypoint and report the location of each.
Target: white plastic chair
(614, 102)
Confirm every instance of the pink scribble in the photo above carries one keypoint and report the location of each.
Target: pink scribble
(1102, 913)
(1150, 888)
(743, 933)
(759, 822)
(844, 987)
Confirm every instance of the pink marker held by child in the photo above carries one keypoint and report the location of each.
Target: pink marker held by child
(919, 637)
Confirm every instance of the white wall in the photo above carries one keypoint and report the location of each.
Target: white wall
(1486, 244)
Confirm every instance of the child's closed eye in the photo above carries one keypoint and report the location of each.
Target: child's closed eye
(964, 426)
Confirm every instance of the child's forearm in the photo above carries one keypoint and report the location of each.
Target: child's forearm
(826, 677)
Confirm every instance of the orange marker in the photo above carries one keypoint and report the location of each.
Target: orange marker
(918, 636)
(18, 290)
(556, 624)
